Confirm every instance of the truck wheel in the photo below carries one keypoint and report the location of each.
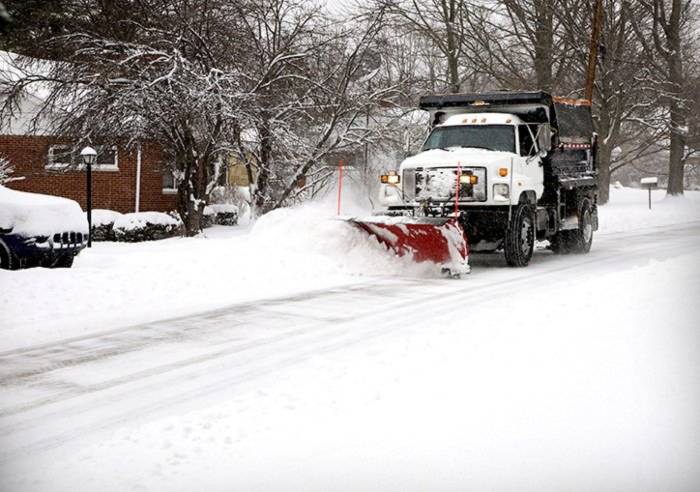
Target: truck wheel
(582, 238)
(520, 237)
(7, 259)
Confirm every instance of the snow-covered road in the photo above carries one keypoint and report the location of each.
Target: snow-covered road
(577, 373)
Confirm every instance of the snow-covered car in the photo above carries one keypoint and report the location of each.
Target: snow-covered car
(39, 230)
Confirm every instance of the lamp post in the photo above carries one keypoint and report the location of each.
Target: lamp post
(89, 156)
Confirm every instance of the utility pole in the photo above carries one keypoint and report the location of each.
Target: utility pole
(365, 171)
(593, 51)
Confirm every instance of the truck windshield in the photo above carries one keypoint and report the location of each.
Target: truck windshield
(491, 137)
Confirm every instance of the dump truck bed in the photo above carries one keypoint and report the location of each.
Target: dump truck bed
(570, 117)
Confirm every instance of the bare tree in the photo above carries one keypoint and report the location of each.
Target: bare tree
(311, 98)
(525, 44)
(663, 28)
(444, 24)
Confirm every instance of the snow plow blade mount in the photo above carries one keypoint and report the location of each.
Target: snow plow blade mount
(439, 240)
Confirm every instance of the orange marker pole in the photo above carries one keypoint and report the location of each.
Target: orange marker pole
(340, 184)
(459, 175)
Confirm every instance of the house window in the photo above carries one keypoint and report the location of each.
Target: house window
(61, 156)
(64, 157)
(107, 156)
(169, 181)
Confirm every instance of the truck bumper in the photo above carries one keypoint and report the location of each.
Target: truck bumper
(480, 223)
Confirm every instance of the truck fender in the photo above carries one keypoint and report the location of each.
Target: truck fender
(528, 196)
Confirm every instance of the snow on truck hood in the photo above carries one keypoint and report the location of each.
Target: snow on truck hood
(33, 214)
(466, 157)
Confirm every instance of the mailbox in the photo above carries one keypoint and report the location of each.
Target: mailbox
(649, 184)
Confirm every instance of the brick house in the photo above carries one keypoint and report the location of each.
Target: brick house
(125, 180)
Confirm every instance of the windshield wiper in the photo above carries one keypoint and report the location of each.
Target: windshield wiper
(475, 147)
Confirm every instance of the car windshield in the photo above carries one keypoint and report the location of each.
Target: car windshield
(491, 137)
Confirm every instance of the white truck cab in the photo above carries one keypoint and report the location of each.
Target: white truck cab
(497, 155)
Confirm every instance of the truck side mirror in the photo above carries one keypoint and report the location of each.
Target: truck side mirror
(544, 137)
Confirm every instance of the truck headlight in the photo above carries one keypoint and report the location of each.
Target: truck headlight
(391, 178)
(501, 192)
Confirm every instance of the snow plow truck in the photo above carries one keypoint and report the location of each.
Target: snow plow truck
(507, 167)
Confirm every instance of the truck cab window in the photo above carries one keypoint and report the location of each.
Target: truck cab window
(527, 143)
(490, 137)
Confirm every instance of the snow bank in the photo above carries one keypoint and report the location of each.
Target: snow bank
(33, 214)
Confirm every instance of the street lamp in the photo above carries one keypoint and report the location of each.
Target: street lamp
(89, 156)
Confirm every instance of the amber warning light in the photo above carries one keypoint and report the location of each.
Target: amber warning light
(391, 178)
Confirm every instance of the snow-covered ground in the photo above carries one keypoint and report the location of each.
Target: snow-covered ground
(628, 210)
(349, 370)
(288, 251)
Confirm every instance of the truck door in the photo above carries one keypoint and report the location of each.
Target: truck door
(528, 166)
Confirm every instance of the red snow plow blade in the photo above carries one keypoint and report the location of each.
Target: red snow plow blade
(440, 240)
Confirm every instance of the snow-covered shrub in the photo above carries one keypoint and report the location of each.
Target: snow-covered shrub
(146, 226)
(6, 171)
(227, 202)
(103, 224)
(225, 213)
(220, 214)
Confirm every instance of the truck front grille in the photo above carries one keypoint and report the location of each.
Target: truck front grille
(440, 184)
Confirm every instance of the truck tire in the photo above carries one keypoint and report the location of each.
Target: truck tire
(581, 239)
(520, 236)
